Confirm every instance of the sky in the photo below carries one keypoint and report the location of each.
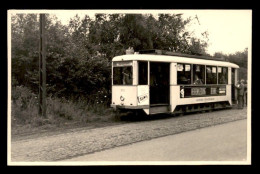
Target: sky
(229, 30)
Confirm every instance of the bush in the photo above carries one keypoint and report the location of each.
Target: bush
(23, 97)
(24, 110)
(24, 105)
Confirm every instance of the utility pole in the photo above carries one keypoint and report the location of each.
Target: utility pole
(42, 68)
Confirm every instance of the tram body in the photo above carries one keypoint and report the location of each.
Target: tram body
(171, 84)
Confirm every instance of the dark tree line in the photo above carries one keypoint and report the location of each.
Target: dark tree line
(79, 54)
(240, 58)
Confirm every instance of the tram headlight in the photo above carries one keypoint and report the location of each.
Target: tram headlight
(122, 98)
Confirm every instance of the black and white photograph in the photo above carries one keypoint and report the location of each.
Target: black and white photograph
(129, 87)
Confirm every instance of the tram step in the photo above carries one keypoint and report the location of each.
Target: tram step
(156, 109)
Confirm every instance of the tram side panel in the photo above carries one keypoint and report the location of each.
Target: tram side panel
(186, 95)
(178, 96)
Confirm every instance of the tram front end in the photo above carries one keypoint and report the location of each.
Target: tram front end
(126, 94)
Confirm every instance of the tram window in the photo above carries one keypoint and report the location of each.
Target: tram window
(211, 74)
(222, 75)
(183, 73)
(122, 75)
(198, 74)
(143, 73)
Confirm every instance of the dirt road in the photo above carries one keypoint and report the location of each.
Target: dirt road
(225, 142)
(77, 143)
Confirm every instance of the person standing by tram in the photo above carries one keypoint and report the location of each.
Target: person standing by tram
(245, 94)
(241, 91)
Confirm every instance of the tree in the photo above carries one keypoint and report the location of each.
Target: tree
(24, 50)
(240, 58)
(165, 31)
(78, 59)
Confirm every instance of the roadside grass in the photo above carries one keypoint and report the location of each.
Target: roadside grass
(60, 114)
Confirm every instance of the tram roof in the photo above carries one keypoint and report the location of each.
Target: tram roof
(178, 59)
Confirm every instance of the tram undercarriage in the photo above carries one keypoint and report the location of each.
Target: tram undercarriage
(179, 109)
(201, 107)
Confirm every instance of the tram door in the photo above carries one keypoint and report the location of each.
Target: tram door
(159, 83)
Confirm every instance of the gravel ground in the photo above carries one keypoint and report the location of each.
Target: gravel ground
(81, 142)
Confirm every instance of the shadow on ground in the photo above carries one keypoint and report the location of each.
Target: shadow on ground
(141, 116)
(137, 117)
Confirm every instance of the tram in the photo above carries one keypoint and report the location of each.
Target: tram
(157, 81)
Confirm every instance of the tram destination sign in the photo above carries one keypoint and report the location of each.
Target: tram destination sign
(202, 91)
(123, 63)
(198, 91)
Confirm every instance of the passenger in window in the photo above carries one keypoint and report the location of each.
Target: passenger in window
(197, 80)
(222, 79)
(183, 80)
(127, 80)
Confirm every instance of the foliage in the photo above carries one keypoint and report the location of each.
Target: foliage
(78, 56)
(240, 58)
(61, 112)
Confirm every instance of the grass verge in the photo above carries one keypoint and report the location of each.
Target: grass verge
(60, 114)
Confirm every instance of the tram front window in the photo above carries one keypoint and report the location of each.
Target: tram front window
(122, 75)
